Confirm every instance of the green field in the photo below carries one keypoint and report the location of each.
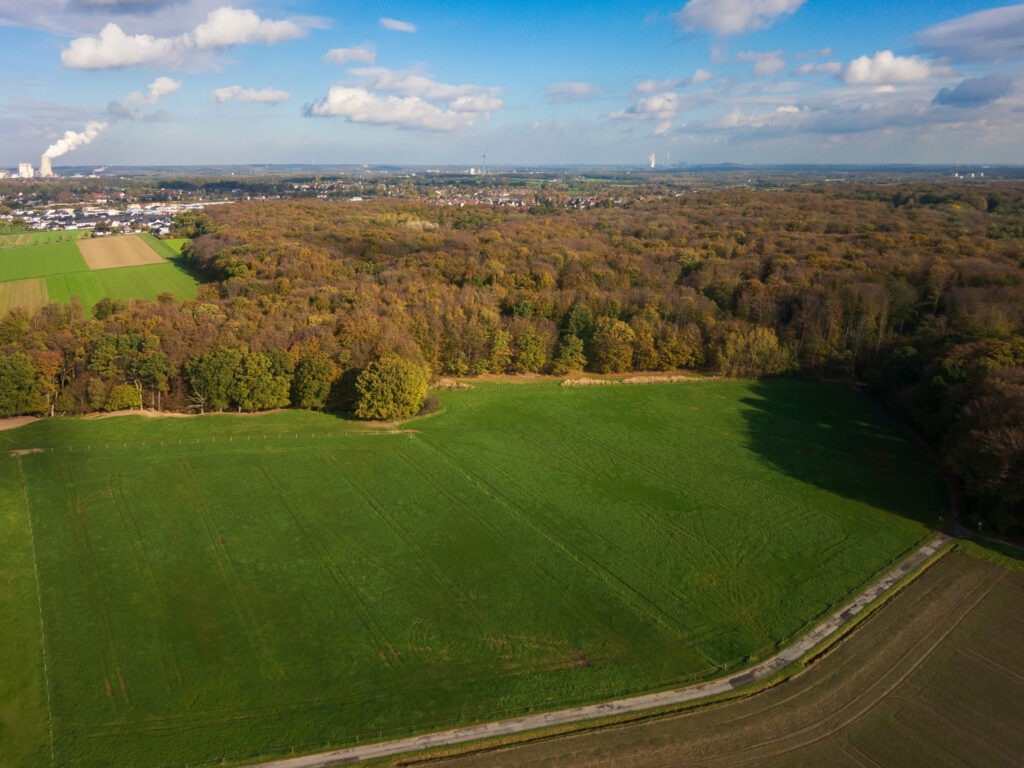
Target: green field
(935, 678)
(41, 261)
(18, 239)
(228, 587)
(59, 262)
(144, 282)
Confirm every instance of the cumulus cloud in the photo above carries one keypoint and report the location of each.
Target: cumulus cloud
(363, 54)
(422, 102)
(991, 36)
(572, 91)
(223, 28)
(765, 63)
(156, 90)
(885, 68)
(733, 17)
(660, 109)
(251, 95)
(360, 106)
(396, 25)
(975, 92)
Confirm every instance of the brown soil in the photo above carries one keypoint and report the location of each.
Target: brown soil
(118, 251)
(16, 421)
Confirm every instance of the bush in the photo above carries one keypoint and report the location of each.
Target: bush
(391, 387)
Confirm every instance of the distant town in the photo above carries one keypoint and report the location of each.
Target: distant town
(146, 199)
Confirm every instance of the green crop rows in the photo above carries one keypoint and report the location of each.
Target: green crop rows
(234, 587)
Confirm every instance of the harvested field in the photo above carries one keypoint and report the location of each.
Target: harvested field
(936, 677)
(117, 251)
(28, 294)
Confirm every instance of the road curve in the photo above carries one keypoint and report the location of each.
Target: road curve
(767, 668)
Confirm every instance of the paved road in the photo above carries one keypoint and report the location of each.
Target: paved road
(766, 668)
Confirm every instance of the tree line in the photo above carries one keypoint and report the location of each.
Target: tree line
(914, 291)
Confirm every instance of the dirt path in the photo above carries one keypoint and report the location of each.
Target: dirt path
(765, 669)
(13, 422)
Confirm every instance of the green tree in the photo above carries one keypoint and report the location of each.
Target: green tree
(569, 356)
(152, 368)
(19, 392)
(501, 352)
(122, 396)
(312, 382)
(611, 347)
(258, 386)
(530, 354)
(212, 378)
(390, 387)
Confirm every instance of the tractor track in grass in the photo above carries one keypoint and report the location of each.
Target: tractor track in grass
(723, 685)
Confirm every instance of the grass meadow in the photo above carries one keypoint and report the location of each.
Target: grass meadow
(22, 238)
(55, 258)
(227, 587)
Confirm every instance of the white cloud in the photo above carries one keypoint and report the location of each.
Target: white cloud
(572, 91)
(114, 48)
(765, 63)
(660, 109)
(824, 68)
(162, 86)
(223, 28)
(885, 68)
(251, 95)
(993, 35)
(733, 17)
(422, 102)
(360, 106)
(363, 54)
(396, 25)
(415, 84)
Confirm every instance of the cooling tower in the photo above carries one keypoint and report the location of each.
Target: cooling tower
(45, 168)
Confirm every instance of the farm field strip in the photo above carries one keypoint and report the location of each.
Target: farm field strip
(19, 239)
(41, 261)
(254, 585)
(118, 251)
(31, 294)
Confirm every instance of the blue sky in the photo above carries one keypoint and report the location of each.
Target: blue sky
(135, 82)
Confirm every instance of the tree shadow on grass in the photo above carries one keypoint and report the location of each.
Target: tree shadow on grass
(828, 436)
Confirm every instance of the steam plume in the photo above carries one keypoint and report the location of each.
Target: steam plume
(74, 140)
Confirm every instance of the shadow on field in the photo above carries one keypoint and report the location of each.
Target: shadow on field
(824, 434)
